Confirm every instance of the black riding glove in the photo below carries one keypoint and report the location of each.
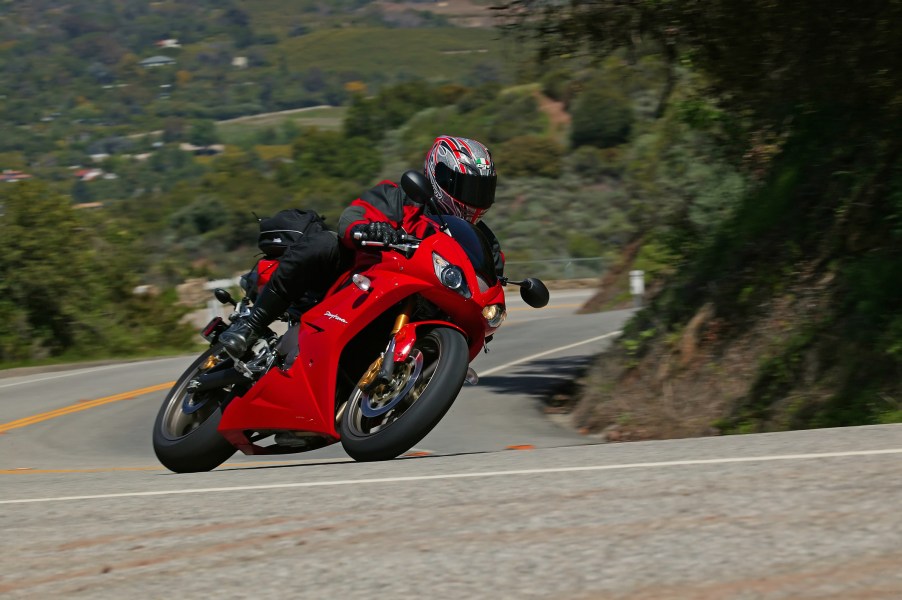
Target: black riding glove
(379, 231)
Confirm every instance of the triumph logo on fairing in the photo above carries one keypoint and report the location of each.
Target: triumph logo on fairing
(335, 317)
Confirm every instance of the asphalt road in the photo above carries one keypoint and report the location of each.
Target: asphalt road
(87, 513)
(107, 411)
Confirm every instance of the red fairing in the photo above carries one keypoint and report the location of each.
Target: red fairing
(265, 270)
(302, 398)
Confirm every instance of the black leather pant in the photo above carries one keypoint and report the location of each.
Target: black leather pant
(310, 266)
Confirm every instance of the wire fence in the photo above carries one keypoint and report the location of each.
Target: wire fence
(556, 268)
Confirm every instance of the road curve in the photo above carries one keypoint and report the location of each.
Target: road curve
(87, 513)
(100, 417)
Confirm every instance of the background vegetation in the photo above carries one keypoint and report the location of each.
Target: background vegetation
(745, 156)
(786, 302)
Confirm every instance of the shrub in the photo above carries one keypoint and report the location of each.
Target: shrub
(601, 117)
(594, 164)
(529, 155)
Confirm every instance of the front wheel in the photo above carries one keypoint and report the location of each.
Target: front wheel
(185, 434)
(395, 416)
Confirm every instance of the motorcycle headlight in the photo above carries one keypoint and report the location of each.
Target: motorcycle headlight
(450, 275)
(494, 314)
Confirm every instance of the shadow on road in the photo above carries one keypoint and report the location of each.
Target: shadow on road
(538, 378)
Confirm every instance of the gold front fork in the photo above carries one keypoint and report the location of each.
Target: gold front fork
(401, 320)
(404, 317)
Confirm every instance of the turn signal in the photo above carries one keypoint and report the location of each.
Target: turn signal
(494, 314)
(362, 282)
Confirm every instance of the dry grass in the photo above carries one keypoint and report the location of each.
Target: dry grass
(688, 382)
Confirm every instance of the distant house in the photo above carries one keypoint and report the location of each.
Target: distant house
(202, 150)
(167, 43)
(88, 174)
(240, 62)
(157, 61)
(11, 176)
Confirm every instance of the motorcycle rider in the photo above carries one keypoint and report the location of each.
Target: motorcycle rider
(463, 178)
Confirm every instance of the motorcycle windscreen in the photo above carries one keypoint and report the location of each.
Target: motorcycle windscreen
(477, 247)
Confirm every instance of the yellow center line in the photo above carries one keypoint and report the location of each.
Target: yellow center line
(80, 406)
(30, 471)
(85, 405)
(232, 465)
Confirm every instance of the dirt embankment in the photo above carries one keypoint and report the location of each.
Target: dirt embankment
(705, 376)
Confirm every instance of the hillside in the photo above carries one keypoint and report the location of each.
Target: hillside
(756, 183)
(787, 313)
(165, 166)
(73, 71)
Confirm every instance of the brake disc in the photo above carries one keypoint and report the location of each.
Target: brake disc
(371, 405)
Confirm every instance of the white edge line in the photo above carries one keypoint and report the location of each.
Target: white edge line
(66, 374)
(311, 484)
(493, 370)
(82, 371)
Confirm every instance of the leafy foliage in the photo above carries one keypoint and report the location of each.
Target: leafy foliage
(485, 113)
(560, 210)
(73, 71)
(530, 156)
(808, 103)
(330, 154)
(66, 283)
(601, 117)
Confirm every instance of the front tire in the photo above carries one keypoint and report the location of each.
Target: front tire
(190, 442)
(424, 388)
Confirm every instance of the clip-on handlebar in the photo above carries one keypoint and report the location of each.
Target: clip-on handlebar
(408, 244)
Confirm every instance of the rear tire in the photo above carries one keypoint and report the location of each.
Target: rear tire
(190, 443)
(444, 356)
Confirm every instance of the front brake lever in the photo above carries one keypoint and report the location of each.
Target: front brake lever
(405, 248)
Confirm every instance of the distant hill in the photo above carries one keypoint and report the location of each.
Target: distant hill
(83, 70)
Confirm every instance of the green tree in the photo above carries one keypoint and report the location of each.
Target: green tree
(66, 281)
(42, 259)
(810, 96)
(81, 192)
(329, 154)
(602, 117)
(364, 118)
(529, 156)
(203, 133)
(595, 164)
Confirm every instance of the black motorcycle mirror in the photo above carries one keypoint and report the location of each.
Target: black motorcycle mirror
(415, 185)
(224, 297)
(418, 188)
(532, 290)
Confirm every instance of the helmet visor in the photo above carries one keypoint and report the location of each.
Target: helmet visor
(477, 191)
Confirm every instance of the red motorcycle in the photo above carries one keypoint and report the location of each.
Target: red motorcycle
(375, 364)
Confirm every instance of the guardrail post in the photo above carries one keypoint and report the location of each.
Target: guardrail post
(637, 287)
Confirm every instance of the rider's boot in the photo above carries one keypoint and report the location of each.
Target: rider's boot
(244, 332)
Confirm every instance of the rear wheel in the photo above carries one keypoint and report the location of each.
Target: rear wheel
(185, 435)
(393, 417)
